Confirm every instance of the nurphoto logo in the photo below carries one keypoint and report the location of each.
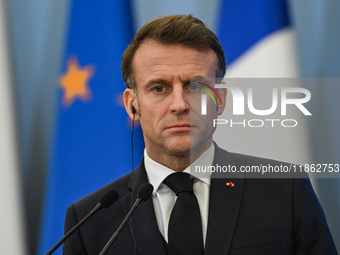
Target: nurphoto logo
(244, 101)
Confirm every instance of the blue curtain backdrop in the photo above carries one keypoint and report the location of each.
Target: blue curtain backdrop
(92, 144)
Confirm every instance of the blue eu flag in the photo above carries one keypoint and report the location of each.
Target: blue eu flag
(92, 145)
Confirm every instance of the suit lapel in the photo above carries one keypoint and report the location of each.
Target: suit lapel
(144, 224)
(224, 206)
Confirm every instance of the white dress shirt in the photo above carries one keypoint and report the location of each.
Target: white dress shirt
(164, 198)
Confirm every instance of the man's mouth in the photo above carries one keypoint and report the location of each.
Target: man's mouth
(179, 127)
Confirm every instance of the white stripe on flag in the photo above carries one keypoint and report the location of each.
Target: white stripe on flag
(272, 57)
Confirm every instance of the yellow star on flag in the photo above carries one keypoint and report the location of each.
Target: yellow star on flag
(74, 82)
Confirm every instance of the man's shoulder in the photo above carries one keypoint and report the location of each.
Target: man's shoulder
(257, 167)
(255, 160)
(239, 158)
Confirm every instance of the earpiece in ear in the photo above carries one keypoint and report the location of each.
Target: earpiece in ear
(133, 110)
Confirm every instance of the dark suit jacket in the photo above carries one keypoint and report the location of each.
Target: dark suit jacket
(256, 216)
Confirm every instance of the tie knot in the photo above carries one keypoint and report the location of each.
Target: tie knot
(179, 182)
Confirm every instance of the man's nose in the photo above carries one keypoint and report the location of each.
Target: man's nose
(180, 101)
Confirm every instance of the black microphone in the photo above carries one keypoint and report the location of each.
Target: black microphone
(143, 194)
(106, 200)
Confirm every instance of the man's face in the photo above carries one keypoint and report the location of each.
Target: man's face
(162, 74)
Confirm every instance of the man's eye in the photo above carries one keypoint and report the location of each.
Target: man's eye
(159, 88)
(194, 86)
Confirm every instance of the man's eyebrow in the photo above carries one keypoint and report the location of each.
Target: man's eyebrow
(200, 79)
(165, 82)
(155, 81)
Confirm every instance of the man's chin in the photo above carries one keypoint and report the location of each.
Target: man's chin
(179, 146)
(186, 146)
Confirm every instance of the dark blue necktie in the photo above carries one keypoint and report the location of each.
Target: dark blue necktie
(185, 235)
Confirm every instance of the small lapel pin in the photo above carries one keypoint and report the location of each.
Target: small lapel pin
(230, 184)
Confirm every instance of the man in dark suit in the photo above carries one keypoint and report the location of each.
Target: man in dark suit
(237, 215)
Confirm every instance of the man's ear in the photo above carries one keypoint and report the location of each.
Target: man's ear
(222, 92)
(130, 103)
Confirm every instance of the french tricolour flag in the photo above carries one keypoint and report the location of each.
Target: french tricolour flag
(258, 40)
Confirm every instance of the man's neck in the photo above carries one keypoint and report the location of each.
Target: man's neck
(176, 163)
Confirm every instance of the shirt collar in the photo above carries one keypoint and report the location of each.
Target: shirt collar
(157, 172)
